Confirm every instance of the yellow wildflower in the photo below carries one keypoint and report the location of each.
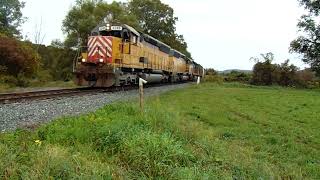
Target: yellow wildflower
(38, 142)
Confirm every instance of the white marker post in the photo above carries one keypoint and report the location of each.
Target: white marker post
(198, 80)
(141, 82)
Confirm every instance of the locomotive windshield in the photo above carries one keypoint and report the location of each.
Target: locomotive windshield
(111, 33)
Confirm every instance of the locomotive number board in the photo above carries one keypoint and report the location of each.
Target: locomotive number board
(116, 28)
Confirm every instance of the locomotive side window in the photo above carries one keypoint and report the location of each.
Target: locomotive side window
(126, 36)
(134, 39)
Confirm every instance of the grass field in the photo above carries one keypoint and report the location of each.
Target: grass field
(203, 132)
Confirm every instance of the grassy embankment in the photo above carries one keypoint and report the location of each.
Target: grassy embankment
(210, 131)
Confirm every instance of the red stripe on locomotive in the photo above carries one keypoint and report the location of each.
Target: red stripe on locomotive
(100, 47)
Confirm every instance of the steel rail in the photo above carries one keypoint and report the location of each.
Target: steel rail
(7, 98)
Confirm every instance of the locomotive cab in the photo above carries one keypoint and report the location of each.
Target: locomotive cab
(107, 38)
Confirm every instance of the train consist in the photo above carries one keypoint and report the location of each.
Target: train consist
(118, 55)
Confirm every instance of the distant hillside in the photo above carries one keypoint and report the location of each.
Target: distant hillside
(230, 70)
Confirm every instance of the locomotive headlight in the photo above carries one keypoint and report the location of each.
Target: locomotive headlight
(101, 60)
(83, 60)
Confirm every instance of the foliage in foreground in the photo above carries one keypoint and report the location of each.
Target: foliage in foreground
(210, 131)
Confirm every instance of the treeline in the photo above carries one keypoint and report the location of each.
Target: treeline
(18, 61)
(24, 63)
(267, 73)
(57, 61)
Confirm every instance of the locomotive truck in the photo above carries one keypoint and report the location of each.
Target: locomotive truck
(117, 54)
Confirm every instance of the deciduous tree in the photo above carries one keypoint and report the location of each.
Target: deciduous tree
(267, 73)
(157, 19)
(308, 44)
(87, 14)
(11, 17)
(18, 58)
(263, 70)
(312, 5)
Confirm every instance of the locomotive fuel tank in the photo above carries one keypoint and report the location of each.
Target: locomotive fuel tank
(153, 78)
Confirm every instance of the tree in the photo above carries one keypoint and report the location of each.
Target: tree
(56, 61)
(237, 76)
(286, 75)
(266, 73)
(11, 17)
(309, 43)
(87, 14)
(18, 59)
(158, 20)
(57, 43)
(38, 36)
(307, 79)
(312, 5)
(263, 70)
(211, 71)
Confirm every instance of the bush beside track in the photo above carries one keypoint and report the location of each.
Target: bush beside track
(207, 131)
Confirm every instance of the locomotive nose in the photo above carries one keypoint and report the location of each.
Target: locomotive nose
(100, 49)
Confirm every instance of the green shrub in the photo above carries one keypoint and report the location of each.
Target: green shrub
(57, 61)
(214, 78)
(18, 57)
(44, 76)
(9, 80)
(236, 76)
(22, 80)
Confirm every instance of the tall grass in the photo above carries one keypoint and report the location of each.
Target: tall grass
(203, 132)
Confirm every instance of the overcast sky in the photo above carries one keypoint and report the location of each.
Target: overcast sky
(222, 34)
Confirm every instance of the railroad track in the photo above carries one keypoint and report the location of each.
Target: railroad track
(50, 94)
(34, 95)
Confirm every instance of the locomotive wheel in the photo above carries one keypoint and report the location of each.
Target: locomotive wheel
(105, 80)
(79, 80)
(92, 83)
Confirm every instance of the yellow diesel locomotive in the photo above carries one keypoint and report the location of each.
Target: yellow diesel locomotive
(117, 54)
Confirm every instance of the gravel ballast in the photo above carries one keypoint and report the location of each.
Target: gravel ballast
(13, 116)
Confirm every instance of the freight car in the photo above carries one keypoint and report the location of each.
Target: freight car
(117, 54)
